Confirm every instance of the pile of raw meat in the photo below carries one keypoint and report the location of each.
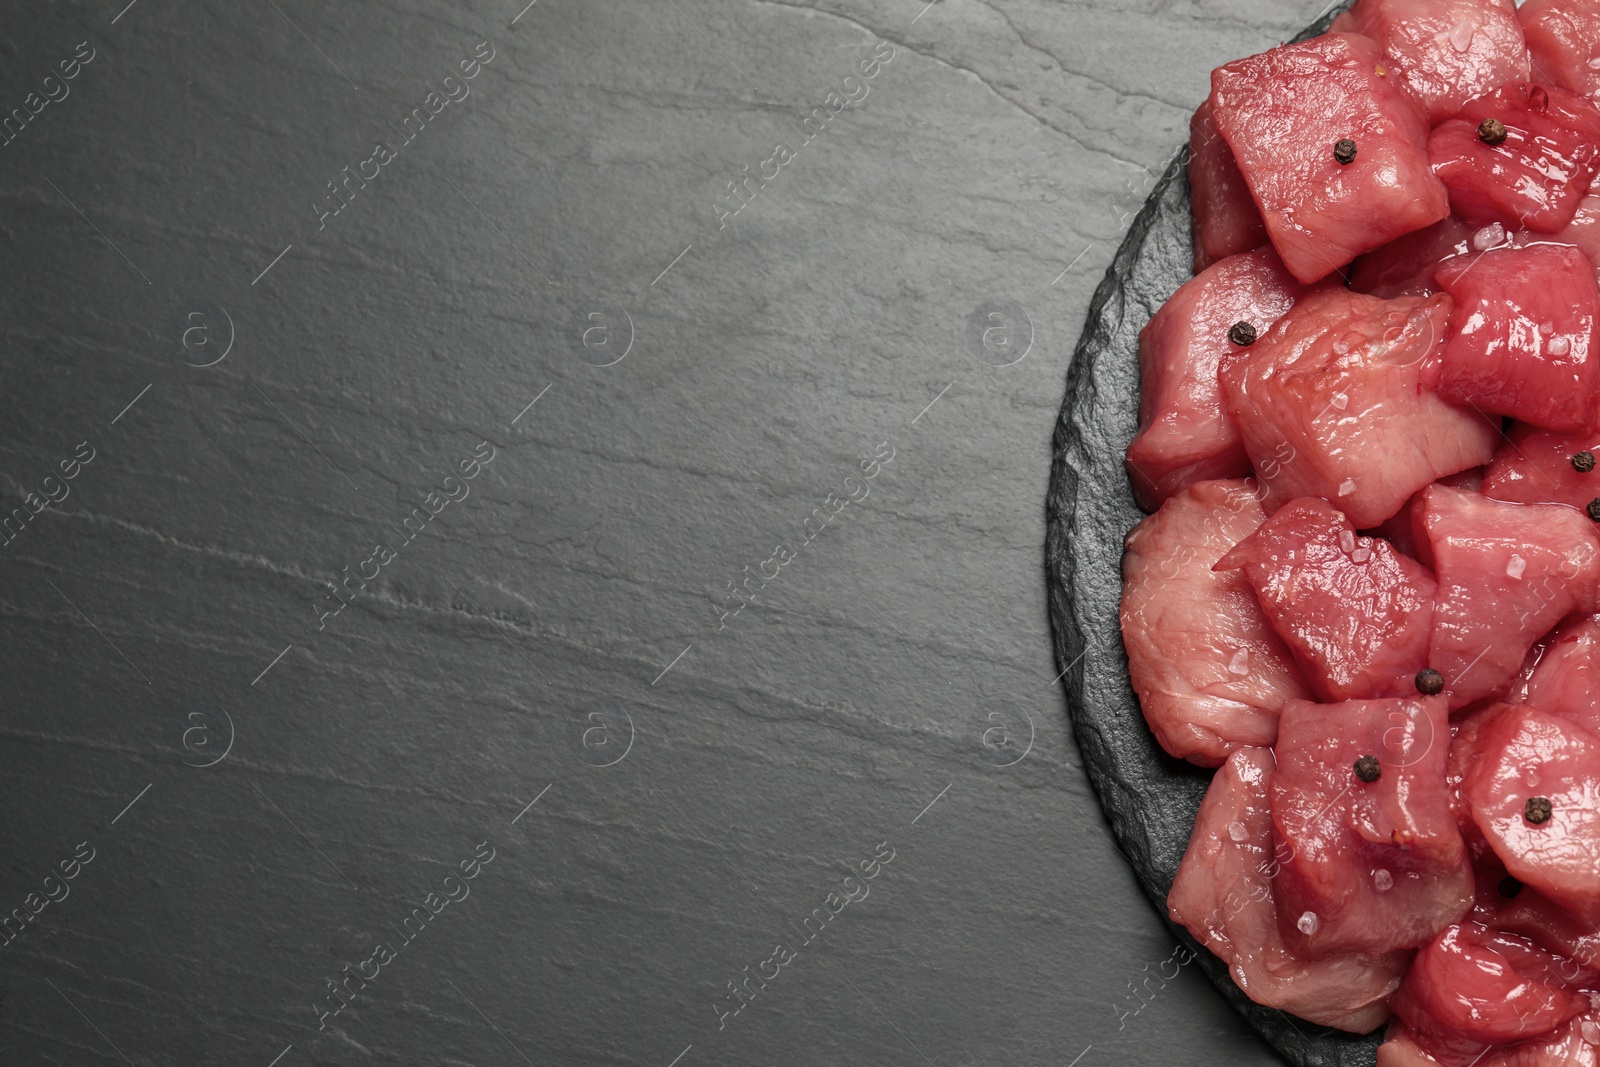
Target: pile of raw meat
(1368, 589)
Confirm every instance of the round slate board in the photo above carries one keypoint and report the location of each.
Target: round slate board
(1150, 799)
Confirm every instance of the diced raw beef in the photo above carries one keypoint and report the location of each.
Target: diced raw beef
(1226, 219)
(1537, 175)
(1507, 574)
(1331, 402)
(1584, 229)
(1283, 111)
(1472, 986)
(1185, 435)
(1528, 758)
(1534, 466)
(1448, 51)
(1355, 613)
(1563, 37)
(1562, 674)
(1523, 336)
(1504, 903)
(1373, 866)
(1405, 266)
(1223, 896)
(1568, 1045)
(1210, 673)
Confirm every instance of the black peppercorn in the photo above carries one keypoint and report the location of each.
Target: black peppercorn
(1344, 151)
(1368, 769)
(1583, 462)
(1491, 131)
(1537, 810)
(1593, 508)
(1429, 682)
(1509, 887)
(1242, 334)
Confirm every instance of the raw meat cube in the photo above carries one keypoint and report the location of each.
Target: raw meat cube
(1534, 791)
(1507, 574)
(1537, 175)
(1355, 613)
(1523, 336)
(1568, 1045)
(1223, 896)
(1534, 466)
(1225, 217)
(1210, 673)
(1374, 865)
(1447, 51)
(1185, 435)
(1562, 674)
(1284, 111)
(1563, 39)
(1504, 903)
(1332, 403)
(1473, 986)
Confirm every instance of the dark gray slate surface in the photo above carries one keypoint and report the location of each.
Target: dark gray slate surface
(568, 606)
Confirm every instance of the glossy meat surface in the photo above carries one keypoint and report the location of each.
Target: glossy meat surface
(1372, 866)
(1507, 574)
(1223, 896)
(1534, 466)
(1355, 613)
(1537, 175)
(1448, 51)
(1332, 403)
(1523, 336)
(1185, 435)
(1225, 217)
(1563, 38)
(1210, 672)
(1283, 111)
(1562, 674)
(1526, 753)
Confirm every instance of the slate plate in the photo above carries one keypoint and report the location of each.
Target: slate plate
(1150, 798)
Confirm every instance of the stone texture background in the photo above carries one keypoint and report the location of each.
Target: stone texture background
(702, 784)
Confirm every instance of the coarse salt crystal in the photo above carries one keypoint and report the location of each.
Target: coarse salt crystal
(1515, 568)
(1347, 541)
(1308, 923)
(1488, 237)
(1361, 554)
(1558, 346)
(1240, 663)
(1383, 880)
(1238, 831)
(1347, 487)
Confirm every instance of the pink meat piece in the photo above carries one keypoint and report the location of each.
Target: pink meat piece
(1223, 896)
(1355, 613)
(1507, 574)
(1447, 51)
(1185, 435)
(1210, 673)
(1283, 112)
(1224, 214)
(1334, 401)
(1374, 866)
